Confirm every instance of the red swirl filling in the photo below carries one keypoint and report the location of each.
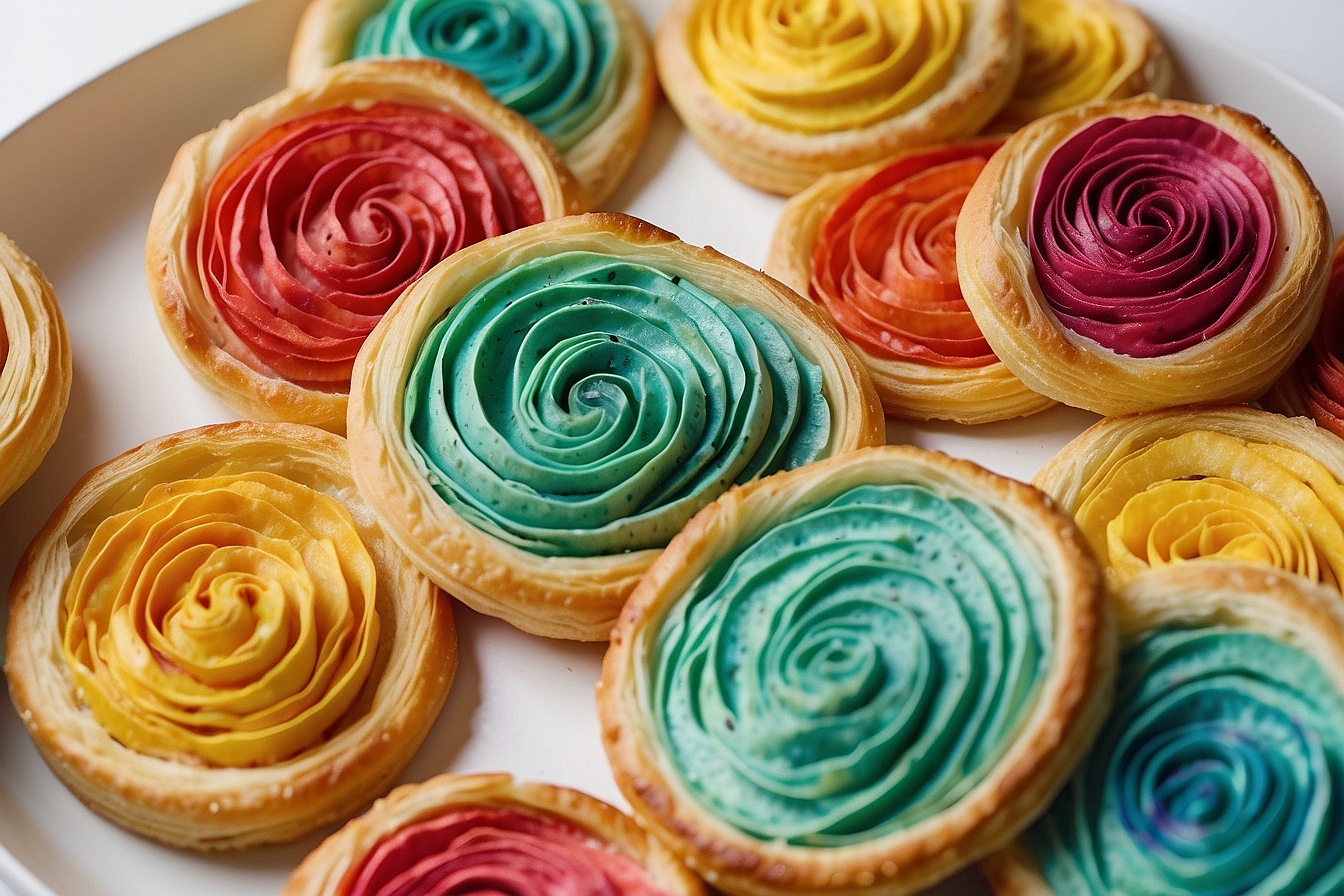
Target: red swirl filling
(1321, 365)
(491, 850)
(314, 228)
(885, 260)
(1152, 235)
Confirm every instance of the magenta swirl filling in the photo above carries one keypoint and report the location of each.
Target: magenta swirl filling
(496, 850)
(1152, 235)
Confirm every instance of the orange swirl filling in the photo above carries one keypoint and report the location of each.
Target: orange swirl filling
(225, 620)
(884, 263)
(1321, 365)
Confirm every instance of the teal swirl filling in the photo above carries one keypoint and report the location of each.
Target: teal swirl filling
(1219, 772)
(854, 670)
(557, 62)
(582, 404)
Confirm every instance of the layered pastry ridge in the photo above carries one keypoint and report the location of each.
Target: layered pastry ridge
(35, 367)
(581, 71)
(1314, 385)
(1176, 486)
(214, 644)
(487, 833)
(856, 676)
(1145, 253)
(280, 238)
(876, 247)
(1220, 768)
(538, 418)
(780, 93)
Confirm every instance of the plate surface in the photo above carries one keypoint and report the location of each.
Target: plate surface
(77, 188)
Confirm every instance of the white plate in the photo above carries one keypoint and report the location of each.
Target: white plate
(76, 187)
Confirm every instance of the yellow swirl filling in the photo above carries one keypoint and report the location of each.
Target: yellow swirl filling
(229, 619)
(1073, 54)
(817, 66)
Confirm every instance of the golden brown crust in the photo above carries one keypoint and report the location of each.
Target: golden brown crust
(210, 351)
(784, 162)
(184, 801)
(1000, 285)
(1073, 701)
(327, 870)
(35, 367)
(601, 160)
(561, 597)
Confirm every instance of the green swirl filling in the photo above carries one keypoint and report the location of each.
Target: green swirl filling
(1219, 772)
(558, 62)
(581, 404)
(854, 670)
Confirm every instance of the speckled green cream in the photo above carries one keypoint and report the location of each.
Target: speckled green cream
(1219, 772)
(558, 62)
(854, 670)
(582, 404)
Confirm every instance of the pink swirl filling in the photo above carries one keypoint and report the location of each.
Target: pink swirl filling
(314, 228)
(1152, 235)
(495, 850)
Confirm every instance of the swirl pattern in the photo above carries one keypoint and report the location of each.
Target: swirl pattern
(1152, 235)
(230, 619)
(885, 260)
(854, 669)
(582, 404)
(496, 850)
(1315, 384)
(1219, 772)
(820, 66)
(558, 62)
(312, 230)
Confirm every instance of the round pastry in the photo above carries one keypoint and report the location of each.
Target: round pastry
(780, 93)
(540, 414)
(1314, 385)
(1076, 52)
(875, 246)
(281, 237)
(580, 70)
(1144, 253)
(213, 643)
(487, 833)
(857, 676)
(1222, 766)
(35, 367)
(1182, 485)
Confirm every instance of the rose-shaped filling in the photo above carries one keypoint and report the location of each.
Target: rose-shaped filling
(583, 404)
(228, 620)
(1204, 494)
(311, 231)
(1219, 771)
(558, 62)
(818, 66)
(1152, 235)
(496, 850)
(885, 261)
(853, 670)
(1321, 366)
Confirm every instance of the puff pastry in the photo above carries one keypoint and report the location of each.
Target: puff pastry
(580, 70)
(1076, 52)
(213, 642)
(857, 676)
(780, 93)
(280, 237)
(538, 415)
(35, 367)
(1175, 486)
(489, 833)
(1194, 276)
(1221, 767)
(1314, 385)
(875, 246)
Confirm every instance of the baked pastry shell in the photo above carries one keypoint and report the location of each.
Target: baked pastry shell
(1073, 700)
(577, 598)
(187, 803)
